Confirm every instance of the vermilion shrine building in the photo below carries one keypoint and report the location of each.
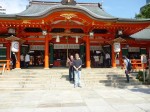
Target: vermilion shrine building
(54, 30)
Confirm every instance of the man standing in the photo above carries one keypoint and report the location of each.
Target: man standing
(107, 57)
(126, 66)
(96, 60)
(77, 64)
(27, 60)
(71, 69)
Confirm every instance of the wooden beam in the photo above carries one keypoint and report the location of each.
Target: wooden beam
(34, 39)
(67, 34)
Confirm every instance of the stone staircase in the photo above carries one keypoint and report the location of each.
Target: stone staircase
(57, 78)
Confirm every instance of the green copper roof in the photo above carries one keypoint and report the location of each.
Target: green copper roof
(94, 10)
(143, 34)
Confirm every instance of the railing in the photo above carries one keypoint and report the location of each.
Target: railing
(136, 64)
(3, 63)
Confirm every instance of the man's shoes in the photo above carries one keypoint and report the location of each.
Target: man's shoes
(80, 86)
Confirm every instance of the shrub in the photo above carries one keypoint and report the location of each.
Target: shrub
(140, 75)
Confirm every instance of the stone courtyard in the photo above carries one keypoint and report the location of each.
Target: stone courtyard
(50, 91)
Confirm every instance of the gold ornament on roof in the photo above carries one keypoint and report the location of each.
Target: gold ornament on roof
(26, 22)
(68, 16)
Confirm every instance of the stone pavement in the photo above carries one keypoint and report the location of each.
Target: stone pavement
(101, 99)
(106, 99)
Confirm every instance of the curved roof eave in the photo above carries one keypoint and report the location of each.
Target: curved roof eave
(41, 10)
(142, 35)
(7, 16)
(55, 8)
(133, 20)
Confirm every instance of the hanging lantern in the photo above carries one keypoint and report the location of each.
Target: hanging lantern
(77, 40)
(91, 34)
(44, 32)
(14, 46)
(57, 38)
(11, 31)
(120, 32)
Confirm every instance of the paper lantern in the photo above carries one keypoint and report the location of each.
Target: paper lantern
(15, 46)
(117, 47)
(77, 40)
(57, 38)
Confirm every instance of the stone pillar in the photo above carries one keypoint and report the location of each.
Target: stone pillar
(88, 63)
(46, 52)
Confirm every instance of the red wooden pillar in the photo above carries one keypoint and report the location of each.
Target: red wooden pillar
(113, 58)
(88, 63)
(18, 59)
(46, 52)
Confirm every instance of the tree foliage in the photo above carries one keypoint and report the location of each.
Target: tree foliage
(145, 12)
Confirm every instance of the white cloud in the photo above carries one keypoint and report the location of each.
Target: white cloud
(14, 6)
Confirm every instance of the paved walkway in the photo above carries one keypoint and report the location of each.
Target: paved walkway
(105, 99)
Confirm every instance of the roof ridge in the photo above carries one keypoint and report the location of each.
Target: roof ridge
(50, 2)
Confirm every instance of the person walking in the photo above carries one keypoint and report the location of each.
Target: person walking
(127, 66)
(14, 59)
(71, 69)
(27, 60)
(107, 57)
(22, 60)
(77, 64)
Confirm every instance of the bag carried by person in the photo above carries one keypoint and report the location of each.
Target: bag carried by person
(129, 67)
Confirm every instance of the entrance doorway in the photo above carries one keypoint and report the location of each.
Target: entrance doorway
(37, 58)
(61, 55)
(98, 56)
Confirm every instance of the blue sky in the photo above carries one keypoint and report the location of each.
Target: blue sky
(118, 8)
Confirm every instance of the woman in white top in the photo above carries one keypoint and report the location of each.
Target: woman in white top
(27, 60)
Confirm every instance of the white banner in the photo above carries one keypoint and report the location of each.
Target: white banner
(1, 45)
(94, 48)
(65, 46)
(37, 47)
(134, 49)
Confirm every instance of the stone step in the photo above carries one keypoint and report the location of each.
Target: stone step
(6, 81)
(66, 83)
(28, 85)
(52, 87)
(29, 80)
(61, 76)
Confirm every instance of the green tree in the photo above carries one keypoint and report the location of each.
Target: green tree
(145, 12)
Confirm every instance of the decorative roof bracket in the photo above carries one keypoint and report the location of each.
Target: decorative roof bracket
(68, 2)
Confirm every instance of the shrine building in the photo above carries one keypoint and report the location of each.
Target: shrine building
(52, 31)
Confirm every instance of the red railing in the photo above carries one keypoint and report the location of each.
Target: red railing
(7, 62)
(136, 64)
